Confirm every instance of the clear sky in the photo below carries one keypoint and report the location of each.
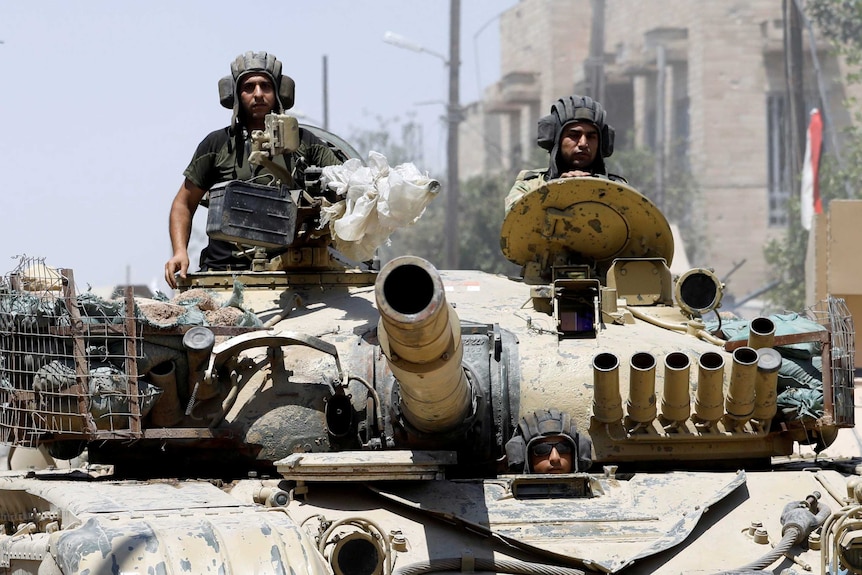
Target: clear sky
(104, 102)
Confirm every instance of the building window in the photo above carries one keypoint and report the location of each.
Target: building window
(778, 158)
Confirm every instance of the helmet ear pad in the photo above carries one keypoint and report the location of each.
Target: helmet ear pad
(516, 452)
(547, 132)
(607, 140)
(225, 92)
(286, 92)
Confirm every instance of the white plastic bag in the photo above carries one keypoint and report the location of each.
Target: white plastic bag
(377, 201)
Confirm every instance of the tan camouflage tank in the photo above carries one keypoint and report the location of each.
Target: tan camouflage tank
(313, 415)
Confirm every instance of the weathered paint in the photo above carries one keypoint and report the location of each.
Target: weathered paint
(192, 526)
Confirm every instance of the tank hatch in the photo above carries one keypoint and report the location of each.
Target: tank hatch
(366, 465)
(583, 221)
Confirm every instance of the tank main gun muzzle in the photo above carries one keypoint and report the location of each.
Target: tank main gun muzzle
(420, 335)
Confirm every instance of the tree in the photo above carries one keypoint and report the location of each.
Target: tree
(480, 219)
(681, 194)
(840, 20)
(400, 141)
(481, 202)
(480, 199)
(786, 260)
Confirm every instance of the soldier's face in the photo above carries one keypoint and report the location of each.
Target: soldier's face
(579, 144)
(551, 455)
(257, 97)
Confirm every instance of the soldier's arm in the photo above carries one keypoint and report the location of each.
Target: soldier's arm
(526, 182)
(180, 227)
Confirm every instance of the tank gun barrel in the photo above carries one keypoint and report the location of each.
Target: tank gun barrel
(420, 335)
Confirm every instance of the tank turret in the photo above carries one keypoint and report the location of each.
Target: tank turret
(596, 255)
(607, 334)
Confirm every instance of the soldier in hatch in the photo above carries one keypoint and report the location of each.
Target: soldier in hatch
(547, 441)
(254, 89)
(578, 140)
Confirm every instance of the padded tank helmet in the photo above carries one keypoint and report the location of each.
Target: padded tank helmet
(547, 423)
(564, 112)
(256, 63)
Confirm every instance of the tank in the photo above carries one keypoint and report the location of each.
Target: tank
(317, 415)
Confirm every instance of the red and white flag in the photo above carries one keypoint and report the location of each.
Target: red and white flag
(810, 203)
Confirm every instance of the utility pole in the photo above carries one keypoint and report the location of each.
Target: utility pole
(660, 121)
(594, 67)
(453, 118)
(794, 72)
(325, 93)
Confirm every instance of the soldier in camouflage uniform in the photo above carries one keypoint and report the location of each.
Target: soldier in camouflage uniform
(255, 88)
(578, 140)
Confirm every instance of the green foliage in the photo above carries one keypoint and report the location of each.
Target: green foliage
(681, 193)
(425, 238)
(840, 180)
(785, 258)
(480, 217)
(480, 213)
(481, 202)
(400, 142)
(840, 20)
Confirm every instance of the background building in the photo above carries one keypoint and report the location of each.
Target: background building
(707, 86)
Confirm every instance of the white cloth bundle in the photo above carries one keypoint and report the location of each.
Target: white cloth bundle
(378, 199)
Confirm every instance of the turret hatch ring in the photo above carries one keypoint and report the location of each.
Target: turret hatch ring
(590, 218)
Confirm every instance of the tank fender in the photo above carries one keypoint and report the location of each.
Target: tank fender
(265, 542)
(231, 348)
(270, 338)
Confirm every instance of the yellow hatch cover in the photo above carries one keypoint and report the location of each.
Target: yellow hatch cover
(581, 220)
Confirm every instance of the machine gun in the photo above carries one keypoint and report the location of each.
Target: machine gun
(278, 225)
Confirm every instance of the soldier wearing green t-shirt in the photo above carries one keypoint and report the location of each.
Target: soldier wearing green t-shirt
(255, 88)
(578, 139)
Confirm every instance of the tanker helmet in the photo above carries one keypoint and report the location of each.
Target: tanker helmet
(572, 109)
(546, 423)
(256, 63)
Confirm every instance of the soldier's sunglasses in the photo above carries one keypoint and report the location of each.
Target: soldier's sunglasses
(543, 449)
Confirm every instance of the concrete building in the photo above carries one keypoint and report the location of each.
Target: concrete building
(699, 83)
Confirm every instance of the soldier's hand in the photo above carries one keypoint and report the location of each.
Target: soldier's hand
(575, 174)
(178, 263)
